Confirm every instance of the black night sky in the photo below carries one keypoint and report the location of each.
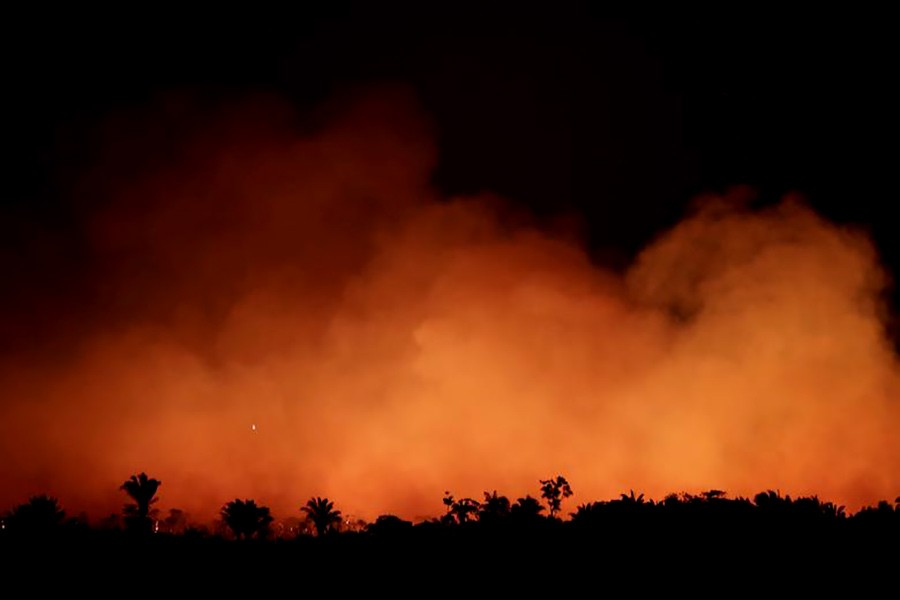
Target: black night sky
(620, 120)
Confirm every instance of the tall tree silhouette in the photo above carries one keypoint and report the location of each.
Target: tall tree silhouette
(554, 491)
(323, 515)
(142, 490)
(40, 515)
(246, 519)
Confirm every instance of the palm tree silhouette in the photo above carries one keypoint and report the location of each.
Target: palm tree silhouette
(321, 512)
(142, 490)
(631, 499)
(246, 519)
(590, 514)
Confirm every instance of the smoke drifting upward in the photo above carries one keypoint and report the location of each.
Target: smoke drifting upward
(388, 344)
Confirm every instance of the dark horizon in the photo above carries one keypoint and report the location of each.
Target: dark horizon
(553, 500)
(771, 540)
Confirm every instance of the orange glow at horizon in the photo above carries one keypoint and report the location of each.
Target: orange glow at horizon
(288, 315)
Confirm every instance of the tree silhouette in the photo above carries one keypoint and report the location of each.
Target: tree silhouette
(494, 507)
(142, 490)
(111, 521)
(465, 509)
(811, 507)
(583, 511)
(448, 501)
(709, 494)
(459, 511)
(526, 508)
(554, 491)
(246, 519)
(769, 498)
(321, 512)
(880, 515)
(671, 501)
(389, 525)
(41, 514)
(176, 522)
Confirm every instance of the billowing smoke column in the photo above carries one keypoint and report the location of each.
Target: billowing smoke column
(284, 307)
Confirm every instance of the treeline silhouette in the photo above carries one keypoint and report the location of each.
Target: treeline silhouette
(245, 519)
(493, 534)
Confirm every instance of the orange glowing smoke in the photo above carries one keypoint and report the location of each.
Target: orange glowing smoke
(286, 308)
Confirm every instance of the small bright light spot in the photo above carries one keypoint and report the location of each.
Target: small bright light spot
(253, 427)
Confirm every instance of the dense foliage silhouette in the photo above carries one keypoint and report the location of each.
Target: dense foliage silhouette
(246, 519)
(40, 515)
(768, 537)
(494, 509)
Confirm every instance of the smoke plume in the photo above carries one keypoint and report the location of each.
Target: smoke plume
(274, 306)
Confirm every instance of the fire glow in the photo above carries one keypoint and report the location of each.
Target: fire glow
(385, 344)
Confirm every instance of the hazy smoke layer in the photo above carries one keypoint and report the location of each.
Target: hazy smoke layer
(249, 269)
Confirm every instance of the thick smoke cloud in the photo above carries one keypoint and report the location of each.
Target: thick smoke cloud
(248, 267)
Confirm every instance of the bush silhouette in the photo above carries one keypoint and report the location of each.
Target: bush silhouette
(246, 520)
(40, 515)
